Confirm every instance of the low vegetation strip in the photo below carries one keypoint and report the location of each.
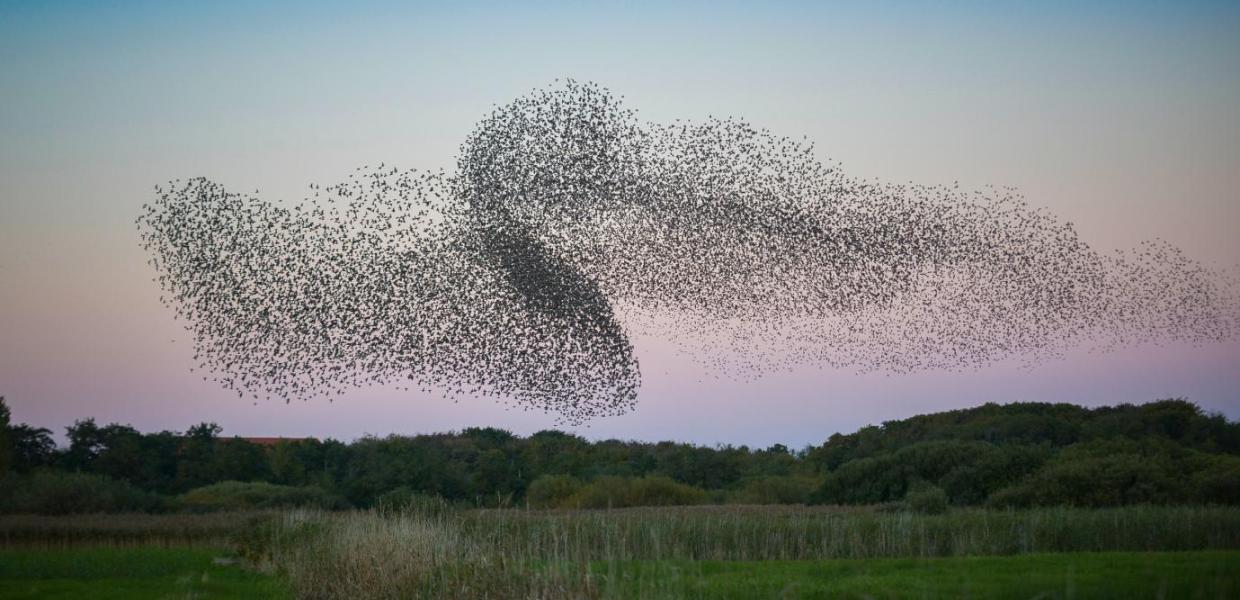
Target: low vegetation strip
(174, 530)
(131, 573)
(794, 533)
(1118, 575)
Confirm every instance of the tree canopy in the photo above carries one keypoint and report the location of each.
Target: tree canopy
(1019, 454)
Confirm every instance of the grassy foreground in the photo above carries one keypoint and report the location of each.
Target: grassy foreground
(190, 573)
(1119, 575)
(699, 552)
(130, 573)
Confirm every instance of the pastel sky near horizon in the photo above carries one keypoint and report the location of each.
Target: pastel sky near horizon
(1123, 118)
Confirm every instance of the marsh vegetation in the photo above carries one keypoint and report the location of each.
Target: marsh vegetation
(423, 550)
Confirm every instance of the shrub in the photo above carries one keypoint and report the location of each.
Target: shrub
(607, 491)
(553, 491)
(404, 500)
(9, 484)
(1095, 481)
(57, 493)
(655, 490)
(239, 495)
(926, 499)
(777, 489)
(866, 480)
(652, 490)
(1219, 482)
(1020, 495)
(969, 468)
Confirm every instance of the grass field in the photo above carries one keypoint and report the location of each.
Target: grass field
(1118, 575)
(130, 573)
(700, 552)
(137, 573)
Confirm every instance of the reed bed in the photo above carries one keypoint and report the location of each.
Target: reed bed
(800, 533)
(574, 554)
(402, 555)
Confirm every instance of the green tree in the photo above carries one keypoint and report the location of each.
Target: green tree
(554, 452)
(236, 459)
(119, 453)
(497, 474)
(159, 461)
(85, 442)
(286, 464)
(6, 440)
(33, 447)
(196, 457)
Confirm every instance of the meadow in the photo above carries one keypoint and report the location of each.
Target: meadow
(131, 556)
(667, 552)
(121, 573)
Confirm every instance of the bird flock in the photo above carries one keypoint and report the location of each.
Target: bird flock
(570, 225)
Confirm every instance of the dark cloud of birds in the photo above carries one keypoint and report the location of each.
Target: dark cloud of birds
(569, 224)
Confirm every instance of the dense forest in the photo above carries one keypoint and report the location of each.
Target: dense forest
(1024, 454)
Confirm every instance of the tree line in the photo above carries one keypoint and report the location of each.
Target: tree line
(1021, 454)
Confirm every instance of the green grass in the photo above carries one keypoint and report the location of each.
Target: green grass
(129, 573)
(1120, 575)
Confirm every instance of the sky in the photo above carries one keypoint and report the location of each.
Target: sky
(1123, 118)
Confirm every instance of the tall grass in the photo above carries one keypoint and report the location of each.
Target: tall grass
(515, 553)
(377, 555)
(792, 533)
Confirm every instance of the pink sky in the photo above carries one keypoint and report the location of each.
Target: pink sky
(1124, 123)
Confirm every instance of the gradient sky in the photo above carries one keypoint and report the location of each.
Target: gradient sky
(1123, 118)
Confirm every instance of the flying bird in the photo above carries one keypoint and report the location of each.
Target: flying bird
(569, 224)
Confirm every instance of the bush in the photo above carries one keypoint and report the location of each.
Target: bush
(777, 489)
(56, 493)
(622, 492)
(604, 492)
(654, 490)
(239, 495)
(9, 484)
(1093, 481)
(971, 469)
(1014, 496)
(553, 491)
(926, 499)
(1219, 482)
(866, 480)
(404, 500)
